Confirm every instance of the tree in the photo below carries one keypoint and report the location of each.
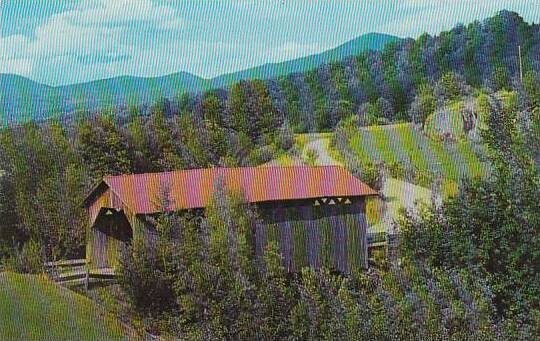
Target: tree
(276, 296)
(103, 147)
(423, 105)
(449, 86)
(531, 83)
(492, 225)
(500, 78)
(213, 111)
(190, 144)
(141, 145)
(10, 233)
(166, 154)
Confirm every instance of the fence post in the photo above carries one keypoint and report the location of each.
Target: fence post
(86, 277)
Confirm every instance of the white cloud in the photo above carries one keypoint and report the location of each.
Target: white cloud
(121, 12)
(107, 28)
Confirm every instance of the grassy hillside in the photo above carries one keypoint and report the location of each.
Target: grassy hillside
(403, 146)
(34, 308)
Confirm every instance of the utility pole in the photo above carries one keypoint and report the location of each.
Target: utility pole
(520, 65)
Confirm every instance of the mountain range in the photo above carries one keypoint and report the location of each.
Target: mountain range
(23, 99)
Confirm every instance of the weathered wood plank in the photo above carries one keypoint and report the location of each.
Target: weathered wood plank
(337, 242)
(64, 263)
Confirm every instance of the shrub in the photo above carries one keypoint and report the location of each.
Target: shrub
(285, 137)
(262, 155)
(311, 157)
(147, 286)
(28, 260)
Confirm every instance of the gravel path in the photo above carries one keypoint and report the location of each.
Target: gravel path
(320, 145)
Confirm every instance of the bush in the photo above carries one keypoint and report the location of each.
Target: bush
(262, 155)
(451, 86)
(423, 105)
(29, 260)
(147, 286)
(311, 157)
(285, 137)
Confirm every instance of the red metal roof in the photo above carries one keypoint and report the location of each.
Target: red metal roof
(194, 188)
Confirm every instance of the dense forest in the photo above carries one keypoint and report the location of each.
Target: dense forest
(469, 266)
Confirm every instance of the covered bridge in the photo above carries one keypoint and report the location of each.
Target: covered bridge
(315, 214)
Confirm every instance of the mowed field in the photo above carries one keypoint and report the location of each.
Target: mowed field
(34, 308)
(411, 149)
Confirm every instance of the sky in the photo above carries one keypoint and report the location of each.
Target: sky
(60, 42)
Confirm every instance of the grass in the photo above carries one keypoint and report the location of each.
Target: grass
(285, 159)
(404, 145)
(446, 121)
(402, 194)
(34, 308)
(374, 211)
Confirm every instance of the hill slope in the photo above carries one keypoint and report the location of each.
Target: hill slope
(370, 41)
(23, 99)
(28, 304)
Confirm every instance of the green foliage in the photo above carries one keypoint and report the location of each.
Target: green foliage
(492, 225)
(166, 154)
(140, 144)
(284, 139)
(531, 83)
(311, 156)
(371, 114)
(190, 151)
(252, 110)
(102, 146)
(363, 168)
(44, 179)
(418, 69)
(398, 96)
(214, 124)
(501, 79)
(472, 71)
(444, 52)
(292, 98)
(366, 79)
(424, 104)
(450, 85)
(29, 260)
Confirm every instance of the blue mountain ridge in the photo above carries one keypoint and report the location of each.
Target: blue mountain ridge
(22, 99)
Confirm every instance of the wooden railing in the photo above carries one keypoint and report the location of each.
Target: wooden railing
(66, 271)
(376, 238)
(75, 271)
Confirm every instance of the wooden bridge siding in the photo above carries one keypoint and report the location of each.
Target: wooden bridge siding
(340, 245)
(292, 210)
(313, 245)
(97, 248)
(109, 237)
(344, 230)
(102, 251)
(285, 246)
